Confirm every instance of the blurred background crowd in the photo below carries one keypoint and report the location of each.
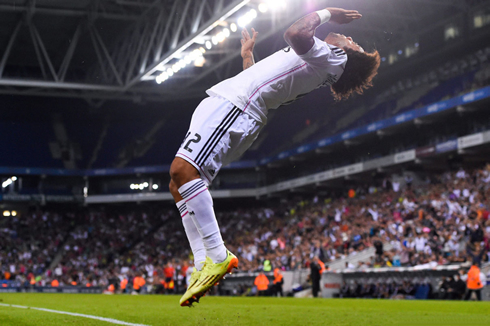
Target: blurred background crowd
(443, 220)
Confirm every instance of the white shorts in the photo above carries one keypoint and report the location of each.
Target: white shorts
(219, 134)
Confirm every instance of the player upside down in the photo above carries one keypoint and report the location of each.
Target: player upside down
(226, 123)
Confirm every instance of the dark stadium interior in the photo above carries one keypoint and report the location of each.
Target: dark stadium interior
(87, 137)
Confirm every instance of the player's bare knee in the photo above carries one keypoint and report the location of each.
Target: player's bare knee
(173, 188)
(177, 174)
(182, 172)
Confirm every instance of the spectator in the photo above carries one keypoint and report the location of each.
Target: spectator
(315, 277)
(475, 281)
(278, 282)
(262, 284)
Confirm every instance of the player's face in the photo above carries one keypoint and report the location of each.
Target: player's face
(343, 42)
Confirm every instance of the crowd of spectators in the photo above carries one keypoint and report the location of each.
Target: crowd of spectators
(442, 220)
(29, 242)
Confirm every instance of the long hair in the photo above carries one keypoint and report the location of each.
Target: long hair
(358, 74)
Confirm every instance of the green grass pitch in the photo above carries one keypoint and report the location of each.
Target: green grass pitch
(165, 310)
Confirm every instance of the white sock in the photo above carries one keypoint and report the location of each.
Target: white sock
(197, 247)
(200, 207)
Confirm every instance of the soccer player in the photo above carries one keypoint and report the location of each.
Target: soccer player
(226, 123)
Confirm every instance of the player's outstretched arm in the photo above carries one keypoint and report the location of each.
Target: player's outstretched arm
(300, 35)
(248, 44)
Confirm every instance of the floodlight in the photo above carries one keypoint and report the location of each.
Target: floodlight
(220, 36)
(199, 62)
(7, 183)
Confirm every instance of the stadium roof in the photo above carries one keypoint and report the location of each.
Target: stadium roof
(115, 49)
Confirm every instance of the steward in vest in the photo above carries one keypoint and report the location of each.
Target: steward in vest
(262, 284)
(278, 282)
(138, 283)
(475, 281)
(322, 266)
(123, 284)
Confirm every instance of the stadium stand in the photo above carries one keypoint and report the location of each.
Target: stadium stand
(443, 220)
(136, 142)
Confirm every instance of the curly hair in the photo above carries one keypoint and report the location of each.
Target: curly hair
(358, 75)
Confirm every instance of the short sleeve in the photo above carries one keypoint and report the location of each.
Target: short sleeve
(324, 55)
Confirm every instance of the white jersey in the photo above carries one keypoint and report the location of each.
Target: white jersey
(282, 78)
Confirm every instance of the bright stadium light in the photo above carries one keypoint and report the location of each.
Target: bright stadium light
(220, 36)
(196, 56)
(247, 18)
(13, 213)
(6, 213)
(140, 186)
(199, 62)
(155, 186)
(9, 181)
(275, 4)
(263, 7)
(162, 77)
(164, 61)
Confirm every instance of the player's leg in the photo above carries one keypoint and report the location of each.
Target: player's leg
(218, 134)
(194, 195)
(197, 246)
(199, 203)
(208, 125)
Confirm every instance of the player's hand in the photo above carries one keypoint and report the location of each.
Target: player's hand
(342, 16)
(248, 42)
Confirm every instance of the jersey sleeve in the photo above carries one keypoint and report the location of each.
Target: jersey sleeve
(323, 55)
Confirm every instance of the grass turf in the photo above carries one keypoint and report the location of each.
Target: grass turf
(165, 310)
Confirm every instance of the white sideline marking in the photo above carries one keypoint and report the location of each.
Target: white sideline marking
(109, 320)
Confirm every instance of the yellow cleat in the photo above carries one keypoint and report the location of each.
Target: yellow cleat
(187, 299)
(211, 274)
